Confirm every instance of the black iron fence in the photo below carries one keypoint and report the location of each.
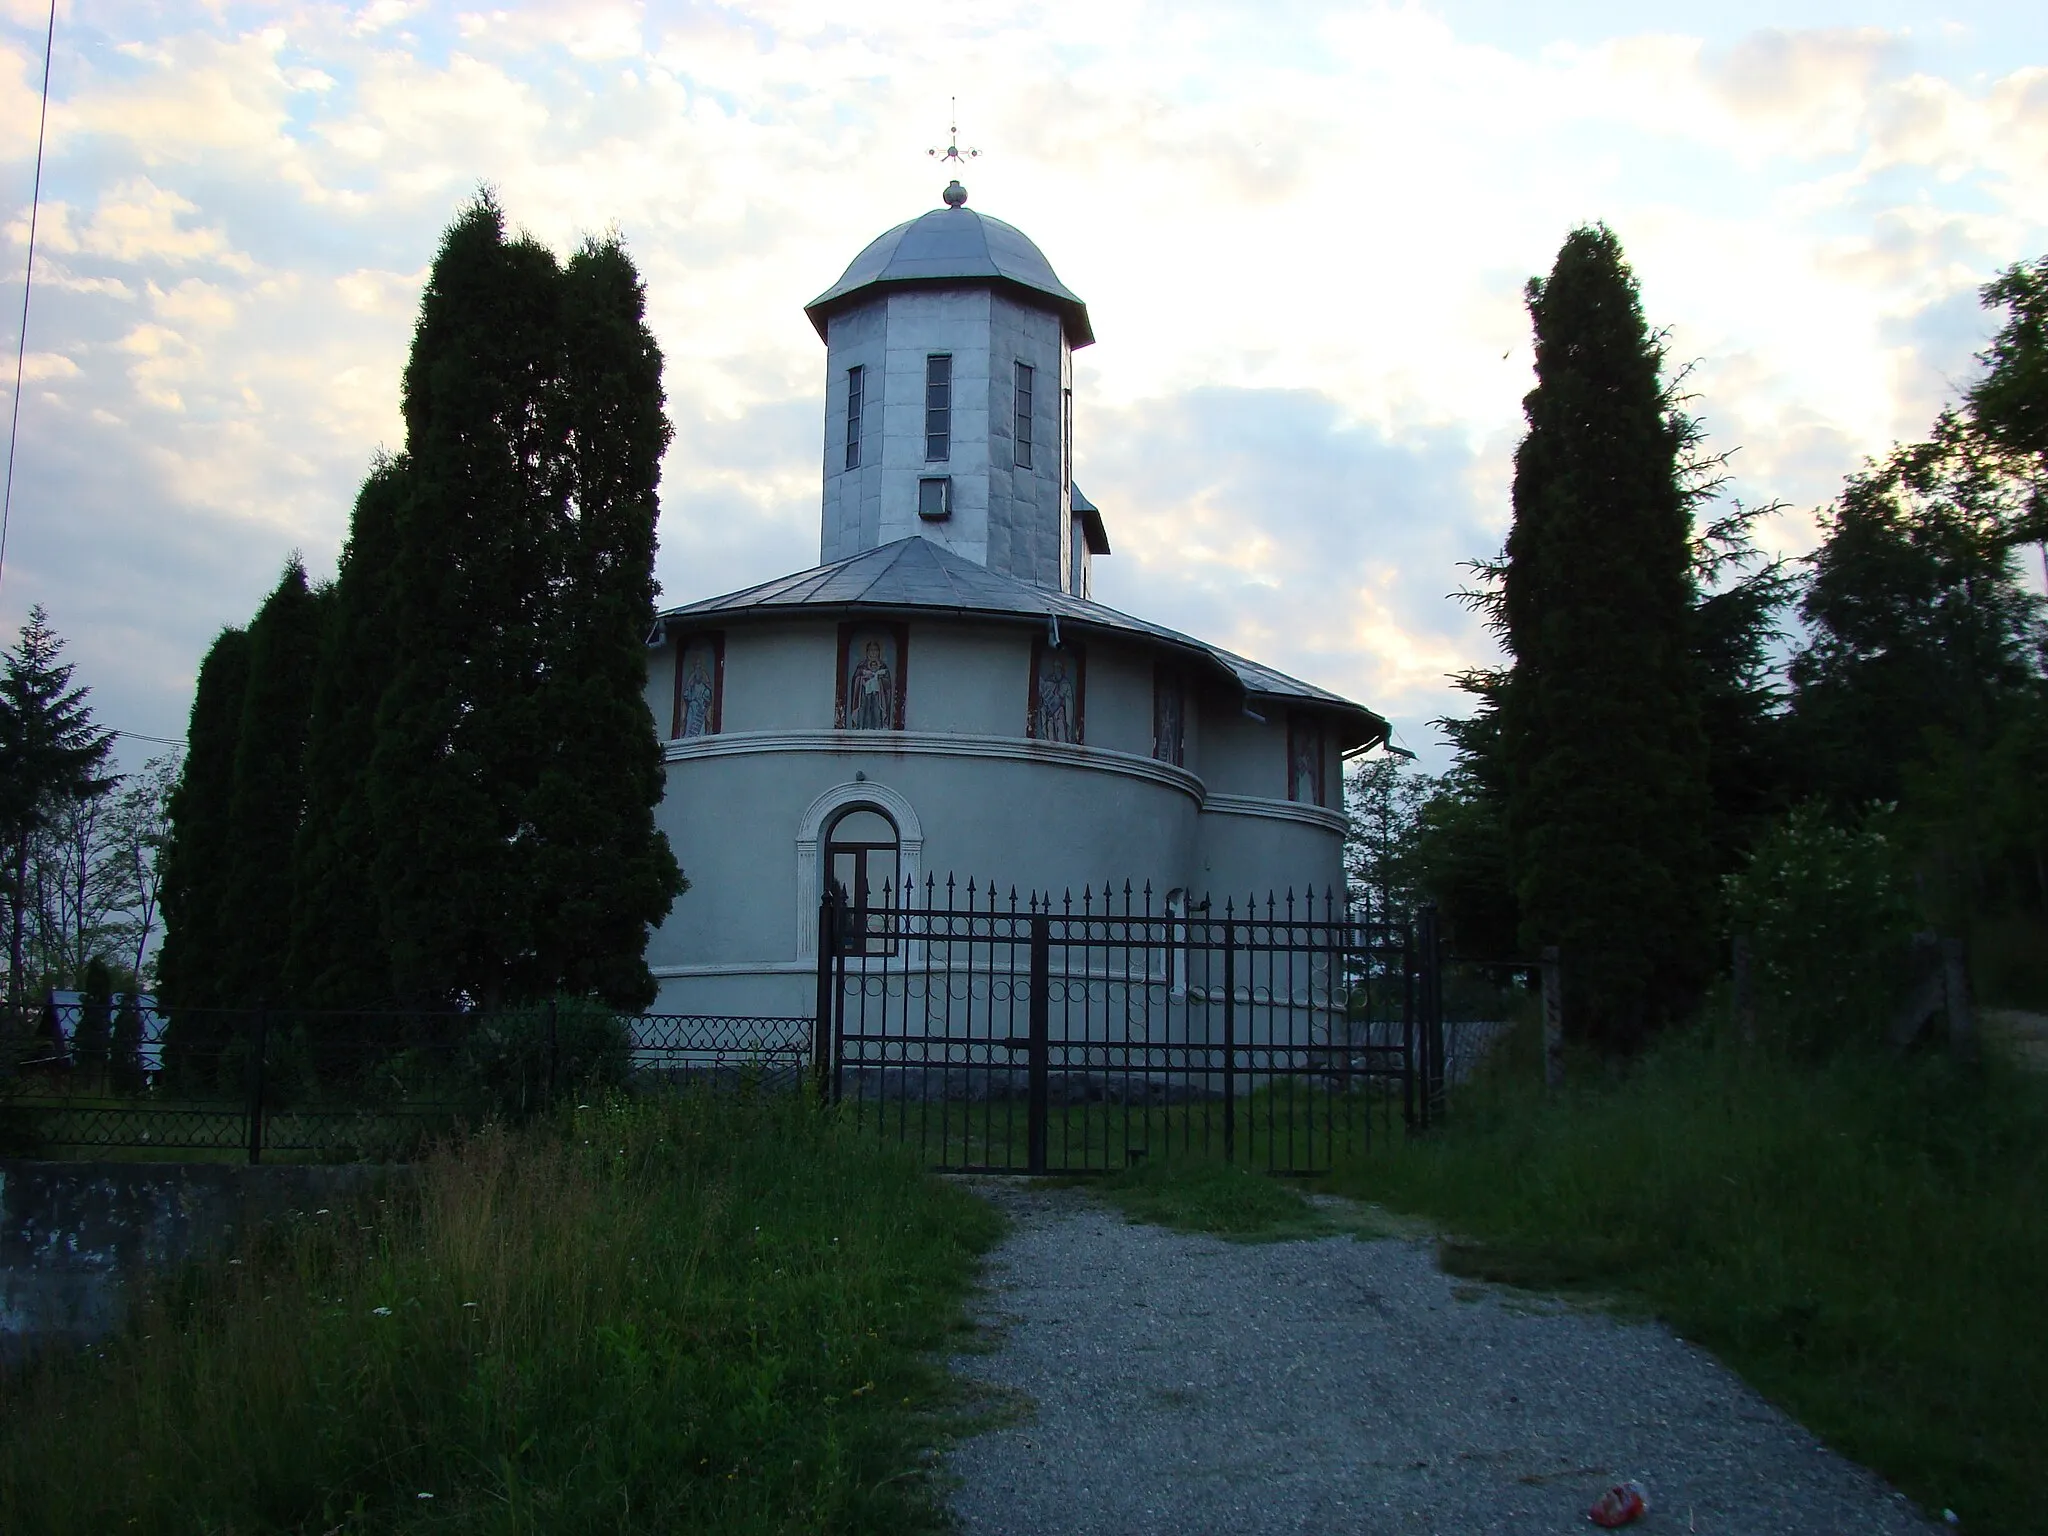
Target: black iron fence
(993, 1031)
(1039, 1034)
(76, 1077)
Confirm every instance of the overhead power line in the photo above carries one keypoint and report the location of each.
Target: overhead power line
(35, 203)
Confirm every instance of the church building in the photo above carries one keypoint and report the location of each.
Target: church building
(942, 696)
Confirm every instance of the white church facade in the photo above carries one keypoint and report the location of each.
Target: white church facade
(941, 696)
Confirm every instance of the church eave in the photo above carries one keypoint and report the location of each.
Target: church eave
(1073, 312)
(915, 578)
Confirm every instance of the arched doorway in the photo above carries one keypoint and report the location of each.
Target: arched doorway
(864, 863)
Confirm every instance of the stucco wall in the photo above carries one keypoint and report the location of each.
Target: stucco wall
(1288, 849)
(1239, 755)
(986, 802)
(780, 677)
(968, 679)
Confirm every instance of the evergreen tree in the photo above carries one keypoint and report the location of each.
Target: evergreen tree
(91, 1036)
(1607, 805)
(1735, 630)
(196, 859)
(268, 797)
(605, 873)
(124, 1067)
(1461, 843)
(460, 732)
(1918, 625)
(2008, 407)
(338, 955)
(51, 754)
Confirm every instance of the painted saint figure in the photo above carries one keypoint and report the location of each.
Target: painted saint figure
(871, 693)
(1056, 701)
(1306, 754)
(697, 700)
(1169, 732)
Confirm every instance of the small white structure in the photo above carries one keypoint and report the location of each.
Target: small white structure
(941, 697)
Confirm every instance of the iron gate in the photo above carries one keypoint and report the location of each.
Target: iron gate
(1037, 1035)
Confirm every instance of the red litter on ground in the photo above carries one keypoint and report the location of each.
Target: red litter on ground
(1622, 1504)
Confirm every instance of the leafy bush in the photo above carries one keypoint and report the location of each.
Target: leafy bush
(516, 1058)
(1828, 912)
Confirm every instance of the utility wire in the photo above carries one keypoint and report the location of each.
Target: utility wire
(35, 203)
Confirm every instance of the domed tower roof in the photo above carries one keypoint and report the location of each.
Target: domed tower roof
(947, 247)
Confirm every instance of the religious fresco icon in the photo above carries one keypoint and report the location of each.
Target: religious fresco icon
(871, 665)
(1169, 717)
(1058, 682)
(1305, 759)
(700, 686)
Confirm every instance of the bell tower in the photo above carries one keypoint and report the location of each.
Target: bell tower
(949, 399)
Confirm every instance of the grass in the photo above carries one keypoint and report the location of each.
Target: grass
(1198, 1194)
(681, 1315)
(1284, 1125)
(1866, 1241)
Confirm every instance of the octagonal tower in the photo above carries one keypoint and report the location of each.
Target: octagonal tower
(949, 400)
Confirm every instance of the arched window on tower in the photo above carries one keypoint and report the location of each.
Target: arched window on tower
(863, 861)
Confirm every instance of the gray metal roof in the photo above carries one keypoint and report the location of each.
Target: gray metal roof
(1091, 521)
(949, 246)
(918, 575)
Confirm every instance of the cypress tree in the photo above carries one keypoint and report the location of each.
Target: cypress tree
(92, 1035)
(1607, 803)
(459, 732)
(606, 873)
(195, 859)
(124, 1069)
(269, 792)
(338, 956)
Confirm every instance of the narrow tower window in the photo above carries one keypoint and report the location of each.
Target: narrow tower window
(1023, 435)
(938, 408)
(1067, 438)
(854, 381)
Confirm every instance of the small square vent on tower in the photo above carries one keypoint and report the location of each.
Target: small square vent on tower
(935, 497)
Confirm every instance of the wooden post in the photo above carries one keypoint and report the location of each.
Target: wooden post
(1553, 1018)
(259, 1043)
(1743, 984)
(1430, 941)
(1962, 1026)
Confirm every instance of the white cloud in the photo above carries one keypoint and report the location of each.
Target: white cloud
(1322, 214)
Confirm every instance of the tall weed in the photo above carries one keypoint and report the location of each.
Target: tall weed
(676, 1315)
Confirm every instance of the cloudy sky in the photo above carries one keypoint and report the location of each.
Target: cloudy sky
(1302, 231)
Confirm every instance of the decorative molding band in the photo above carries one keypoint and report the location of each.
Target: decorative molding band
(1319, 817)
(741, 968)
(943, 744)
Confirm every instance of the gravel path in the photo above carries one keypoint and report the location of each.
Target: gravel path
(1188, 1385)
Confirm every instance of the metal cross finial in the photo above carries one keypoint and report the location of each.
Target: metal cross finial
(953, 151)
